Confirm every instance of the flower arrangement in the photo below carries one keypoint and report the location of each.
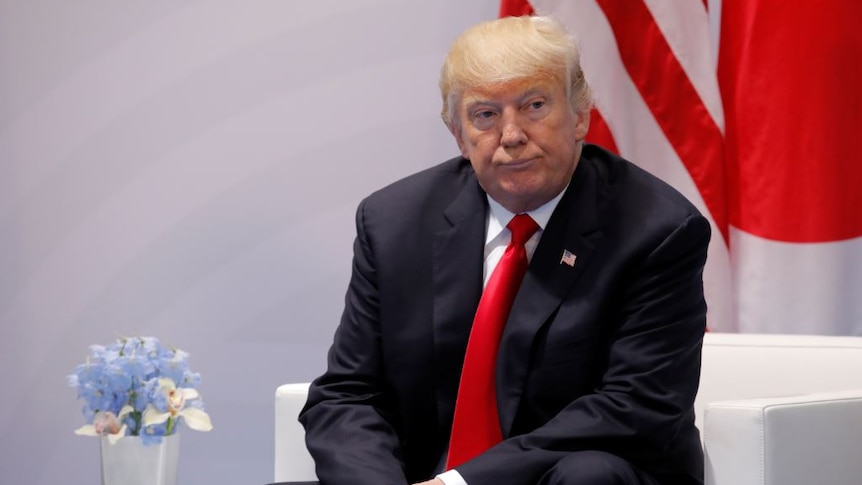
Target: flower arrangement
(138, 387)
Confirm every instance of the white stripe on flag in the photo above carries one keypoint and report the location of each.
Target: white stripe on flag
(685, 26)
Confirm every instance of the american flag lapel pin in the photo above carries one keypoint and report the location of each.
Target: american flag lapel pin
(568, 258)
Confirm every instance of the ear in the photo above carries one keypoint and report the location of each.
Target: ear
(582, 125)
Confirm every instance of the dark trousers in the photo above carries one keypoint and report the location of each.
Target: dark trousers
(595, 468)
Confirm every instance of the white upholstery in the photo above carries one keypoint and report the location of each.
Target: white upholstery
(773, 410)
(781, 409)
(810, 439)
(292, 461)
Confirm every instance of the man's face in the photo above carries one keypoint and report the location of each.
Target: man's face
(522, 138)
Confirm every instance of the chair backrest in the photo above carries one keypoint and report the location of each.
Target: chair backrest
(740, 366)
(293, 463)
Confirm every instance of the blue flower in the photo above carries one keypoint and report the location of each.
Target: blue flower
(153, 434)
(139, 387)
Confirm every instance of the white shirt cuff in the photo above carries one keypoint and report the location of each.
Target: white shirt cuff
(451, 477)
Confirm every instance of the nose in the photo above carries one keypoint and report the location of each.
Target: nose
(512, 135)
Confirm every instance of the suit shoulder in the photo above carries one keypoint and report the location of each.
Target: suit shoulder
(631, 184)
(439, 182)
(636, 205)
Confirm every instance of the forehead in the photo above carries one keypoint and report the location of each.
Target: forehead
(513, 89)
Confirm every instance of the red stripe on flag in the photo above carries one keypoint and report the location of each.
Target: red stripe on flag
(673, 100)
(515, 8)
(600, 134)
(791, 82)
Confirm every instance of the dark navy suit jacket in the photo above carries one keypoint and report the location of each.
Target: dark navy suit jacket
(603, 354)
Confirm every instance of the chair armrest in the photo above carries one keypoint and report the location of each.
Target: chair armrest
(810, 439)
(293, 463)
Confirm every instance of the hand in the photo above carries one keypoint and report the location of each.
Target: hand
(435, 481)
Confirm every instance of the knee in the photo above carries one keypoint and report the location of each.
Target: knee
(590, 468)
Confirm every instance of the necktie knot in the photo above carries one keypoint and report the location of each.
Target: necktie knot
(523, 227)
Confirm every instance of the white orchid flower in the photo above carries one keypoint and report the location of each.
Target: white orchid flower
(105, 423)
(176, 398)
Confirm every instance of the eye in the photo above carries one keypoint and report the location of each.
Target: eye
(484, 119)
(483, 114)
(537, 104)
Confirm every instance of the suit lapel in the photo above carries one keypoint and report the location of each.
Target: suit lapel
(573, 227)
(458, 254)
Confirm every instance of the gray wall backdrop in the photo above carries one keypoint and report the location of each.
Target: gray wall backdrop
(189, 170)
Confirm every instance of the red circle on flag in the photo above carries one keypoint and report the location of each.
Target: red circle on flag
(791, 81)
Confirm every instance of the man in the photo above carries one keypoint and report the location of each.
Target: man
(594, 373)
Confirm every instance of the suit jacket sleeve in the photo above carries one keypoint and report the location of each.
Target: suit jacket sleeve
(348, 419)
(642, 408)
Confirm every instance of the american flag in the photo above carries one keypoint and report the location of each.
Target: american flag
(568, 258)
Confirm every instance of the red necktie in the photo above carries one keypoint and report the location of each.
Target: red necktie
(476, 426)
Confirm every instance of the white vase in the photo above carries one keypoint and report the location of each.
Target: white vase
(130, 462)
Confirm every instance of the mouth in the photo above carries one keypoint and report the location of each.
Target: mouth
(518, 163)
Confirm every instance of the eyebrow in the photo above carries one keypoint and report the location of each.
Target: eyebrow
(533, 92)
(474, 101)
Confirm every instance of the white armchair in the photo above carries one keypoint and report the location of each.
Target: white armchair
(772, 409)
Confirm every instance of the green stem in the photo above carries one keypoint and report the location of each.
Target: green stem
(136, 417)
(135, 414)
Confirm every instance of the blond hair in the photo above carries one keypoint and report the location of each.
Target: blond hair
(511, 48)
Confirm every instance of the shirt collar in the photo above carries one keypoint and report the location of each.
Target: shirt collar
(499, 216)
